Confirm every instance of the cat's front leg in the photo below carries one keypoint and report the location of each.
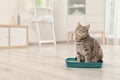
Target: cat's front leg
(87, 58)
(78, 57)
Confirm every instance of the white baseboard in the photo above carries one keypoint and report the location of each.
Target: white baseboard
(58, 42)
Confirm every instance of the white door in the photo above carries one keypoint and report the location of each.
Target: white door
(18, 37)
(4, 37)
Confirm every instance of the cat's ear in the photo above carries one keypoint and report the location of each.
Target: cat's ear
(79, 25)
(88, 26)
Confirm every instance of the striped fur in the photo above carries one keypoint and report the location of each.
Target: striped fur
(88, 49)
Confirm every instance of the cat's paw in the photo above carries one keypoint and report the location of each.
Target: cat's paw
(78, 60)
(82, 60)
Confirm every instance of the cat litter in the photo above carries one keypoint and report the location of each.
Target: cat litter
(72, 63)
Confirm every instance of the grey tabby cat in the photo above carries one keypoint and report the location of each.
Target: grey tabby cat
(88, 49)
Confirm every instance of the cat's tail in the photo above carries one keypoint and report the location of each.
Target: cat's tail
(100, 60)
(75, 58)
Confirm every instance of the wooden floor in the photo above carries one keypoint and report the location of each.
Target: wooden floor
(48, 63)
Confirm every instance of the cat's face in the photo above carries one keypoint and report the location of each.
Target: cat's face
(82, 31)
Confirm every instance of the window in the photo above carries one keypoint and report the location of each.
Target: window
(110, 14)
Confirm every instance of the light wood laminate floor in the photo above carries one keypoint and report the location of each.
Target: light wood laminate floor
(48, 63)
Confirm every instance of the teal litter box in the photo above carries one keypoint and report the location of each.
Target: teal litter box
(71, 62)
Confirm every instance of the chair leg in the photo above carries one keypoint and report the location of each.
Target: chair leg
(53, 32)
(103, 38)
(68, 40)
(71, 36)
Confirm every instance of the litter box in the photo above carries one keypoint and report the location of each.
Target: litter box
(71, 62)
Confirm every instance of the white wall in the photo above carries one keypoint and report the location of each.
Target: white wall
(60, 20)
(8, 9)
